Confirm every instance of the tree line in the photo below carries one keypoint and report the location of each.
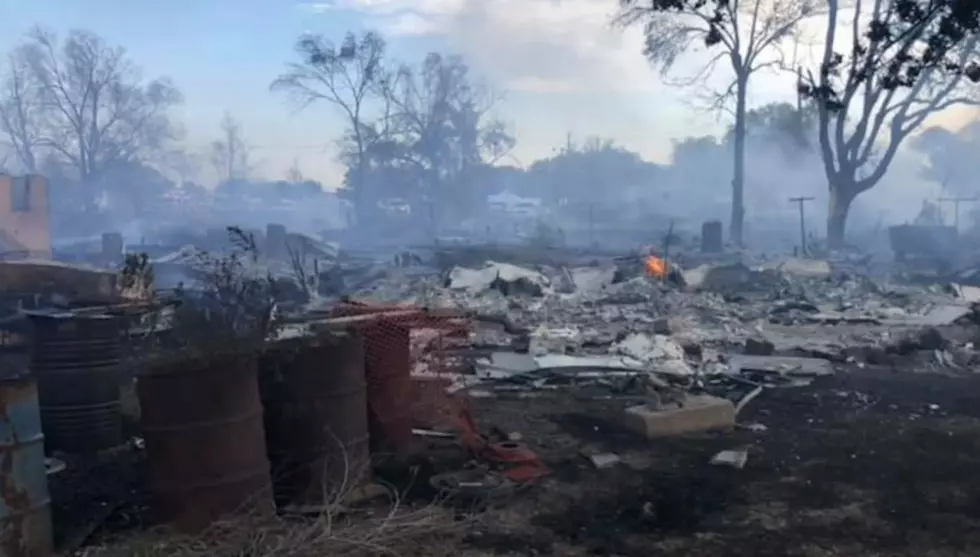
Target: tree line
(79, 108)
(425, 131)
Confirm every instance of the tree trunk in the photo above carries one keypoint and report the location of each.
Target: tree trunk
(360, 197)
(842, 194)
(738, 178)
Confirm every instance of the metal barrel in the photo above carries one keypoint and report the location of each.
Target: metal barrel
(76, 362)
(315, 395)
(712, 237)
(205, 444)
(25, 503)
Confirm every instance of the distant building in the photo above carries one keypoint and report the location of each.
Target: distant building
(25, 227)
(513, 204)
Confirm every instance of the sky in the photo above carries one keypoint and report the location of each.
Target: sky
(561, 66)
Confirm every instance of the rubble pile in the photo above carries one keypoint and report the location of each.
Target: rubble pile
(659, 347)
(612, 308)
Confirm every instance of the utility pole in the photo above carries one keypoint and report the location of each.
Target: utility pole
(591, 224)
(956, 207)
(800, 201)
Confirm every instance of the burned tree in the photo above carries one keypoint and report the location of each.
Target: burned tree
(439, 127)
(869, 102)
(744, 34)
(347, 76)
(230, 154)
(94, 110)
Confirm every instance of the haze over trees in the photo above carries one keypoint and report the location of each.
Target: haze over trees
(865, 109)
(350, 77)
(952, 158)
(230, 153)
(418, 132)
(83, 104)
(424, 133)
(742, 35)
(78, 108)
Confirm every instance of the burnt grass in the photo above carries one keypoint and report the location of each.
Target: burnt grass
(863, 463)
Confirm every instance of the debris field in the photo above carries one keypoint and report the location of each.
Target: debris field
(520, 404)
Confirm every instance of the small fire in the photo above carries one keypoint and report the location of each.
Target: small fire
(656, 267)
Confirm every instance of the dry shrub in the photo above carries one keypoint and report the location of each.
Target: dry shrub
(430, 531)
(232, 308)
(385, 529)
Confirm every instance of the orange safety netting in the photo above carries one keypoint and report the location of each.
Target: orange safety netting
(413, 357)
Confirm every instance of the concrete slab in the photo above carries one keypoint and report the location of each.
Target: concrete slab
(697, 413)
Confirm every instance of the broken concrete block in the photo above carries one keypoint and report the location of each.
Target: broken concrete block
(697, 413)
(735, 459)
(758, 347)
(661, 326)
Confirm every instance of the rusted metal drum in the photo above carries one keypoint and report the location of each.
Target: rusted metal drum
(25, 504)
(315, 395)
(388, 363)
(76, 362)
(205, 446)
(712, 237)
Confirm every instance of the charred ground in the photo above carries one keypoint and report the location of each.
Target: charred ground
(866, 462)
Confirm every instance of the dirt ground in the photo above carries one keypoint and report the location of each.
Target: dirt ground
(870, 463)
(865, 463)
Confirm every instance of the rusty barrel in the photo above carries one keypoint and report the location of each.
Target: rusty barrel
(25, 504)
(205, 445)
(76, 362)
(712, 237)
(315, 396)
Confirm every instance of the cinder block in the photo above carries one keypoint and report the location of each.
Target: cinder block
(697, 413)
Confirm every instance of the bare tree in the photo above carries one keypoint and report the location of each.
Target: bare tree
(230, 154)
(183, 167)
(440, 124)
(865, 111)
(745, 34)
(21, 111)
(346, 76)
(97, 110)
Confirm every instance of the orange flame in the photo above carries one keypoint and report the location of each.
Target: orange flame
(656, 267)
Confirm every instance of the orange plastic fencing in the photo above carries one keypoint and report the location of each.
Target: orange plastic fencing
(412, 360)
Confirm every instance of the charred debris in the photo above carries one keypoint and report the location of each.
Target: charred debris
(280, 375)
